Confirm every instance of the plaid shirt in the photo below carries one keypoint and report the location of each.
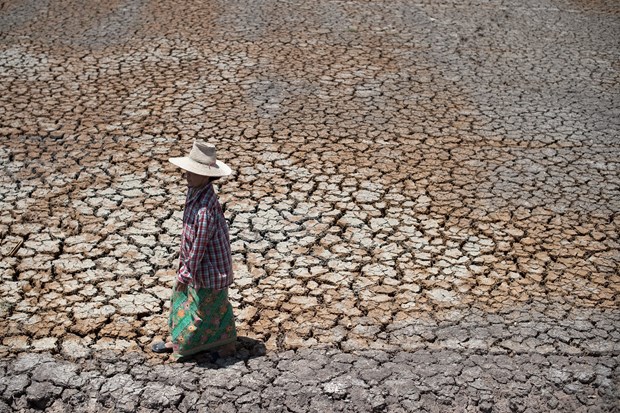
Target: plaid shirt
(205, 259)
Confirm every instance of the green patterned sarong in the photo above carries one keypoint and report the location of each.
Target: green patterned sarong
(200, 320)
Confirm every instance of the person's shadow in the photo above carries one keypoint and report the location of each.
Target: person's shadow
(246, 348)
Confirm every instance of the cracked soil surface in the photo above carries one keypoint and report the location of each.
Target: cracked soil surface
(424, 213)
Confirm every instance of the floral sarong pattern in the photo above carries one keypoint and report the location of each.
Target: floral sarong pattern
(200, 320)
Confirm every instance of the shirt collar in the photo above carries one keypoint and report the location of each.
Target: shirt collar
(194, 194)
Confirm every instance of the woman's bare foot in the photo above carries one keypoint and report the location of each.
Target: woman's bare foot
(162, 347)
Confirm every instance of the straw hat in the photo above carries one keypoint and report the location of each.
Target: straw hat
(202, 161)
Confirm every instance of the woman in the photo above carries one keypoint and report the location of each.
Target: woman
(201, 316)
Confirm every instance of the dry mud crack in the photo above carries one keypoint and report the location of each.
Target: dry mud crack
(424, 212)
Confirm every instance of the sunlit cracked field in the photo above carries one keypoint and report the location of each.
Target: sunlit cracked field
(400, 169)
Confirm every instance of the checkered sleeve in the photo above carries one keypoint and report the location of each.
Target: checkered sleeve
(183, 275)
(203, 233)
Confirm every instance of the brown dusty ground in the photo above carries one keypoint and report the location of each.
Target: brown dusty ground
(416, 183)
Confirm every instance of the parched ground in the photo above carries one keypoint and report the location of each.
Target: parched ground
(424, 212)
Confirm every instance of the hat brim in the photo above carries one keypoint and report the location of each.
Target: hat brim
(221, 169)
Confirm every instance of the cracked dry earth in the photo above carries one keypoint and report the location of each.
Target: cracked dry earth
(424, 214)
